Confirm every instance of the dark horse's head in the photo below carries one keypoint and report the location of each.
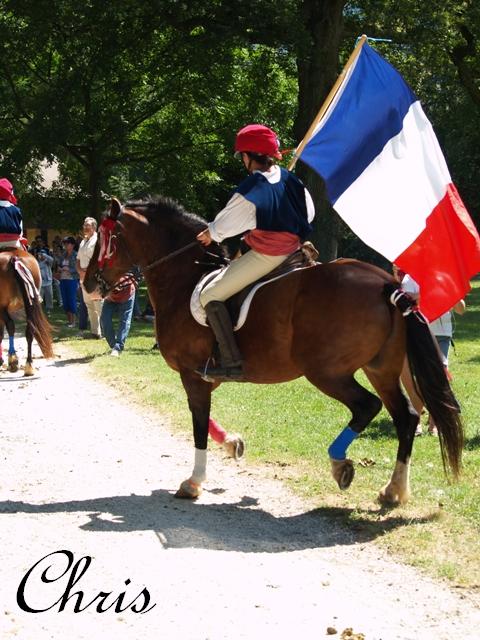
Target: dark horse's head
(146, 234)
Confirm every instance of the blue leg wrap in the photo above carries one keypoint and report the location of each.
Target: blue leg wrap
(338, 449)
(11, 346)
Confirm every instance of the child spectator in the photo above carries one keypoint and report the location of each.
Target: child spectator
(69, 279)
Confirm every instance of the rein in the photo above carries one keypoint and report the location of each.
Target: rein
(170, 255)
(155, 263)
(119, 236)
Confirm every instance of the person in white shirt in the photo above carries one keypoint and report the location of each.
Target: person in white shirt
(93, 301)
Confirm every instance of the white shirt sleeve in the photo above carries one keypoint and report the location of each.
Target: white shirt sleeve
(237, 216)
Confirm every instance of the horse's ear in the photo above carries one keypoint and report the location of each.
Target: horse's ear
(115, 208)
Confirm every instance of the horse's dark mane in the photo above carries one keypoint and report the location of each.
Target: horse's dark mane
(169, 214)
(167, 207)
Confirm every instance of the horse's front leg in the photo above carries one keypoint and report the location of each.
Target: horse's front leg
(232, 443)
(199, 398)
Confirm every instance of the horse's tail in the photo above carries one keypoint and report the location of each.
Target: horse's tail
(36, 319)
(429, 375)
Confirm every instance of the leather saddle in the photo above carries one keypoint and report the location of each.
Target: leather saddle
(239, 303)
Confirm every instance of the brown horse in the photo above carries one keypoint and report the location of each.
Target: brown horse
(17, 291)
(323, 322)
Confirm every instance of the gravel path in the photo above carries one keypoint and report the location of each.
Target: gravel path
(85, 472)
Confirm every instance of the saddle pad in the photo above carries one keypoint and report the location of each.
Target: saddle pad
(27, 277)
(198, 312)
(10, 244)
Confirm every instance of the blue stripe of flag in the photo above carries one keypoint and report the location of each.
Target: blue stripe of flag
(368, 114)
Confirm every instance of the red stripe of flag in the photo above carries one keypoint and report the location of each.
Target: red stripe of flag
(444, 256)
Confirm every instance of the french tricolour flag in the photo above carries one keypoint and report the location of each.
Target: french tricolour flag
(386, 176)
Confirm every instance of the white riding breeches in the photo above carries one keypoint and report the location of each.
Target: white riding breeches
(240, 272)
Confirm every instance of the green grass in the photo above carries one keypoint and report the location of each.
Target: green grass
(291, 425)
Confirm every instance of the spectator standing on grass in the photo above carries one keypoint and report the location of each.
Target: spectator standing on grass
(92, 301)
(45, 262)
(57, 253)
(119, 302)
(69, 279)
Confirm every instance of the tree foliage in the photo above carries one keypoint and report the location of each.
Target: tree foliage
(435, 47)
(133, 97)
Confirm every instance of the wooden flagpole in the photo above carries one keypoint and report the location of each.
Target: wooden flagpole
(333, 92)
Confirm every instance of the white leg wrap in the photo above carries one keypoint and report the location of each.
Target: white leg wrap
(199, 474)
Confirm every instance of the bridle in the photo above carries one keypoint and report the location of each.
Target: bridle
(159, 261)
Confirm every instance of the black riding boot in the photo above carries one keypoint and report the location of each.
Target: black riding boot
(230, 357)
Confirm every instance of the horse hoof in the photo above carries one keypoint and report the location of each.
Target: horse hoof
(234, 446)
(391, 497)
(387, 498)
(189, 490)
(29, 370)
(343, 472)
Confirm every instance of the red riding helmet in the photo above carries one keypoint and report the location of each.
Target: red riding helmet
(6, 191)
(257, 138)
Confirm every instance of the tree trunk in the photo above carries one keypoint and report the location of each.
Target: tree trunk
(467, 72)
(94, 181)
(318, 68)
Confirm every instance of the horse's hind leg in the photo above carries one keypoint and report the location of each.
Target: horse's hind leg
(364, 407)
(2, 331)
(405, 419)
(12, 354)
(29, 370)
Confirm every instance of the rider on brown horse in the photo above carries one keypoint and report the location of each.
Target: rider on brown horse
(20, 281)
(275, 210)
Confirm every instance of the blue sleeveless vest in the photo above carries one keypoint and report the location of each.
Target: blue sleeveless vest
(10, 220)
(280, 206)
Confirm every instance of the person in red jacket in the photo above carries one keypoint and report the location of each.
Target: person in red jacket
(119, 302)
